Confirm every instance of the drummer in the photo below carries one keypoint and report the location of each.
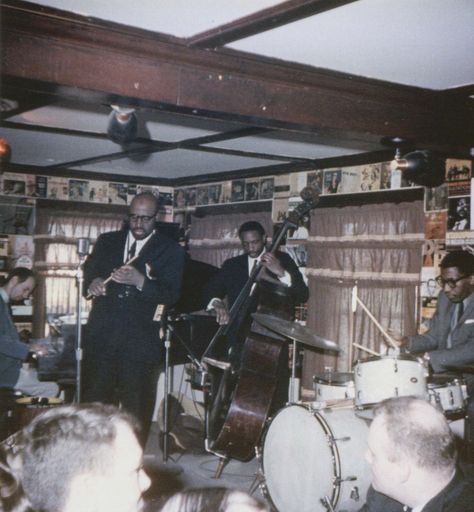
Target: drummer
(449, 343)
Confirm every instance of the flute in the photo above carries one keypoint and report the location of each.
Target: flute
(89, 295)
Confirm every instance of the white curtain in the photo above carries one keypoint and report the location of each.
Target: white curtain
(56, 259)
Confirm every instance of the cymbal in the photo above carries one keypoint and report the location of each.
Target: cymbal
(295, 331)
(466, 368)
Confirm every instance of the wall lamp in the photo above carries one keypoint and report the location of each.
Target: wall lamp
(422, 167)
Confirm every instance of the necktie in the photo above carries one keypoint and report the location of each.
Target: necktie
(131, 251)
(460, 311)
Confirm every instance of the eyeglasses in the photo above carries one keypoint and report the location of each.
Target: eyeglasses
(450, 282)
(144, 218)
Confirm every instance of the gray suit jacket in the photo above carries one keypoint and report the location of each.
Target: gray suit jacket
(435, 340)
(12, 350)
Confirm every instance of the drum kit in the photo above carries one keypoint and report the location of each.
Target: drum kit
(17, 411)
(311, 455)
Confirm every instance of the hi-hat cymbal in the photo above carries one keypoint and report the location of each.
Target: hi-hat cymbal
(465, 368)
(295, 331)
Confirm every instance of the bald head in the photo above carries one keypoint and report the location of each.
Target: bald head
(142, 215)
(416, 431)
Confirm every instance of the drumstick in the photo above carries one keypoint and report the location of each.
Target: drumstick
(379, 327)
(89, 295)
(370, 351)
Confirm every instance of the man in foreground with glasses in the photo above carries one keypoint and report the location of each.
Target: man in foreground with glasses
(448, 345)
(129, 273)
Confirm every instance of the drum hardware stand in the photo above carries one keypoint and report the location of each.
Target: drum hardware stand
(166, 330)
(82, 252)
(223, 461)
(327, 503)
(294, 394)
(259, 476)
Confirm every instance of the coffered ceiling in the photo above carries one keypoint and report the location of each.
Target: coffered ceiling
(232, 88)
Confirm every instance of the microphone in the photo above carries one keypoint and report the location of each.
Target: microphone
(83, 247)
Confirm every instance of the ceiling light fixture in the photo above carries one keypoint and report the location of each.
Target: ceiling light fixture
(123, 125)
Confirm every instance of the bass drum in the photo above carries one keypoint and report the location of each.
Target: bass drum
(314, 461)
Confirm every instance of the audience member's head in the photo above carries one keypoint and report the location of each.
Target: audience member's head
(12, 497)
(82, 459)
(411, 450)
(212, 499)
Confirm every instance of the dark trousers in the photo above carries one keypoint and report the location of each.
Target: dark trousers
(131, 384)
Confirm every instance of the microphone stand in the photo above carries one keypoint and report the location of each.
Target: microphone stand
(167, 390)
(166, 329)
(82, 250)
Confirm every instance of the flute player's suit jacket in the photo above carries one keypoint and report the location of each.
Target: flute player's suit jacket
(122, 320)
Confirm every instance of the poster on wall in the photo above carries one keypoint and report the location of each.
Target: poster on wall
(297, 182)
(252, 190)
(436, 198)
(58, 188)
(98, 192)
(14, 184)
(458, 170)
(385, 176)
(370, 177)
(78, 190)
(16, 216)
(350, 180)
(266, 188)
(332, 181)
(459, 213)
(41, 186)
(279, 209)
(118, 193)
(202, 196)
(214, 193)
(238, 190)
(435, 225)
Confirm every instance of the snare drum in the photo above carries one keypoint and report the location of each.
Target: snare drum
(314, 461)
(449, 396)
(333, 386)
(378, 378)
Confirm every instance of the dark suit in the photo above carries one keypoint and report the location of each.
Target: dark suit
(12, 351)
(461, 352)
(122, 348)
(457, 496)
(234, 273)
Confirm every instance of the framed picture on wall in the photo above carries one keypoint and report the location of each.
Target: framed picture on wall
(238, 190)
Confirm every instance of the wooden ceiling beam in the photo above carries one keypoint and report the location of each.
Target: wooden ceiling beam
(261, 21)
(72, 55)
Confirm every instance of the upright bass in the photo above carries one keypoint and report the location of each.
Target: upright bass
(236, 412)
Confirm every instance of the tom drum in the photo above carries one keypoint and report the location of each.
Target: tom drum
(333, 386)
(378, 378)
(450, 396)
(314, 461)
